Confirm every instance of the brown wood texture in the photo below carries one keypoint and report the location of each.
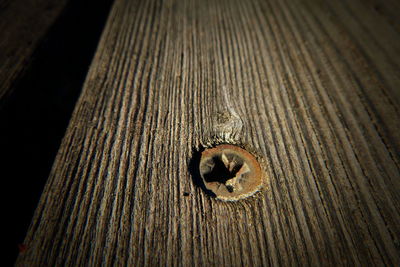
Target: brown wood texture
(312, 86)
(23, 24)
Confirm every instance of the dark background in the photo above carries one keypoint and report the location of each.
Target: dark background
(35, 116)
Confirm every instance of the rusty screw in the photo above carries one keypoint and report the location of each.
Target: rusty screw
(230, 172)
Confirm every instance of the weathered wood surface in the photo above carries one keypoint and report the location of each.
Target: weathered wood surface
(313, 86)
(23, 24)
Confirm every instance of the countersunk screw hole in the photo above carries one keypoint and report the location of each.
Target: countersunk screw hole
(230, 172)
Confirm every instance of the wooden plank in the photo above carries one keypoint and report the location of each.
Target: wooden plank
(23, 25)
(303, 83)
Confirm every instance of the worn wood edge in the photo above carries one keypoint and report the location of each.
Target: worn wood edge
(23, 26)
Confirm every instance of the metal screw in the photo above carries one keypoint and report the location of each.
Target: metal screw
(230, 172)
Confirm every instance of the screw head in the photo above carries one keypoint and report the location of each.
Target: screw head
(230, 172)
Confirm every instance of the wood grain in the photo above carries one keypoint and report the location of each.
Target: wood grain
(23, 24)
(312, 86)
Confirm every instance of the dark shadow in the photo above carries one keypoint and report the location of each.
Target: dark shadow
(33, 119)
(220, 172)
(195, 171)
